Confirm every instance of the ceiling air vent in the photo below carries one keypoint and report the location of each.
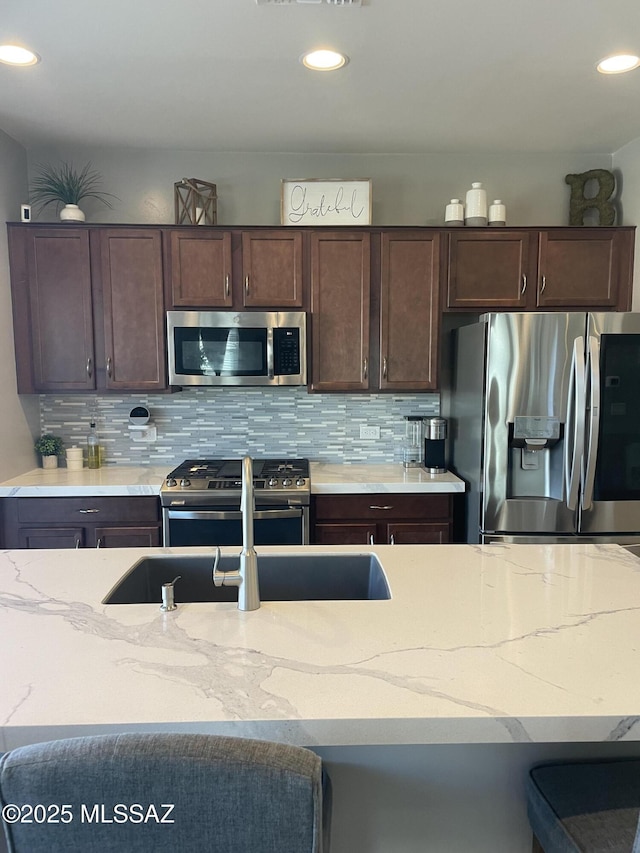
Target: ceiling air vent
(309, 2)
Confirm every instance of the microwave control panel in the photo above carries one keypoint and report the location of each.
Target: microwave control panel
(286, 351)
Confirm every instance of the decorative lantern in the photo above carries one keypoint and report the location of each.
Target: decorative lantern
(196, 202)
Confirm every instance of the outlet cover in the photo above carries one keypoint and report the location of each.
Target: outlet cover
(369, 431)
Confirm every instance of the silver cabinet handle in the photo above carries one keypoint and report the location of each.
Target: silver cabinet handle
(392, 539)
(375, 506)
(99, 542)
(227, 285)
(89, 367)
(365, 368)
(543, 283)
(524, 285)
(77, 542)
(384, 367)
(109, 367)
(88, 511)
(371, 539)
(246, 284)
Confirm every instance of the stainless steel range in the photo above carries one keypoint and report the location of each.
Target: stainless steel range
(201, 502)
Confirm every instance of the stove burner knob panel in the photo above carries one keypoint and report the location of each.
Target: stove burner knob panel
(185, 482)
(171, 481)
(287, 481)
(273, 481)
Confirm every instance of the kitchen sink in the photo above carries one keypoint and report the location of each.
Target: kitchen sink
(290, 577)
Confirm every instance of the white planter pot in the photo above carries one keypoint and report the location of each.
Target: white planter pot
(71, 213)
(49, 461)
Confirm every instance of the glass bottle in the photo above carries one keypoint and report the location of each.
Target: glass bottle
(93, 446)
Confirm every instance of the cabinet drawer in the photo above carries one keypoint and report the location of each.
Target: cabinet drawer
(87, 509)
(379, 507)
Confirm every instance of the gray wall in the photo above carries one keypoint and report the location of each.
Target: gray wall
(407, 189)
(19, 420)
(626, 165)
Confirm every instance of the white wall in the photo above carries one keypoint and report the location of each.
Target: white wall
(626, 165)
(407, 189)
(19, 421)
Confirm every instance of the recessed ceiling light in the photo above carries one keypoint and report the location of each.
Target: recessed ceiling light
(618, 64)
(324, 60)
(12, 54)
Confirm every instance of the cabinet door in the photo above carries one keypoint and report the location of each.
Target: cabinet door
(131, 264)
(50, 537)
(344, 534)
(200, 268)
(127, 537)
(60, 309)
(272, 269)
(579, 268)
(409, 316)
(426, 533)
(340, 297)
(490, 270)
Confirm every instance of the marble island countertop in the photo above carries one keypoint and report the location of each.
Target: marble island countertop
(478, 644)
(127, 480)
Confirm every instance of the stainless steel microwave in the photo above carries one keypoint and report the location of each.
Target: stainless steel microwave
(237, 348)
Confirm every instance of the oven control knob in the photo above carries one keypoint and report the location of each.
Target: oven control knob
(171, 481)
(300, 481)
(185, 482)
(287, 481)
(273, 481)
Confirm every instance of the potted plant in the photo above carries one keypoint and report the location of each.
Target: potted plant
(65, 186)
(49, 447)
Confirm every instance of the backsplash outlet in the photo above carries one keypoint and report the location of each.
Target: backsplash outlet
(225, 423)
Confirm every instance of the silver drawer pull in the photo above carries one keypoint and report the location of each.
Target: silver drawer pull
(227, 289)
(371, 541)
(392, 539)
(380, 507)
(88, 511)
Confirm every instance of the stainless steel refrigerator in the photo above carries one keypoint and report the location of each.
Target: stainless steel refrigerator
(544, 415)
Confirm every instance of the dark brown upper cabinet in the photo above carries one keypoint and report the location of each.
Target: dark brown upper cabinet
(374, 310)
(409, 311)
(533, 269)
(88, 308)
(215, 268)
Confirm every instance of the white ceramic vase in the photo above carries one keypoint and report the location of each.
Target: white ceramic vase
(71, 213)
(49, 461)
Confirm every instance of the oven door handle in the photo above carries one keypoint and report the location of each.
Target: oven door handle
(231, 515)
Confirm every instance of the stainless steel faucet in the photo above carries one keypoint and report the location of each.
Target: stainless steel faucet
(246, 576)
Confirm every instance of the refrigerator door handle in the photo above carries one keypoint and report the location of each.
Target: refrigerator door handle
(576, 403)
(594, 423)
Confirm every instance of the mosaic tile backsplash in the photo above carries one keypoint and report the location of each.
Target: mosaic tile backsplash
(228, 422)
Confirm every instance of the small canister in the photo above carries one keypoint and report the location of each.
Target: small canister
(497, 213)
(434, 445)
(74, 458)
(454, 213)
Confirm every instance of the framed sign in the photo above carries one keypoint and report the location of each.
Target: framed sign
(328, 201)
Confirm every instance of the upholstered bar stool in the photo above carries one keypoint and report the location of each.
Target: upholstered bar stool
(586, 806)
(135, 793)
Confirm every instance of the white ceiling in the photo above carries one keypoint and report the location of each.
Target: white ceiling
(424, 76)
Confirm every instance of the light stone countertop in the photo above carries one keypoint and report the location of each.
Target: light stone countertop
(479, 644)
(127, 480)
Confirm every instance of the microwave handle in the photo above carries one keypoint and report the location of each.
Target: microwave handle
(270, 358)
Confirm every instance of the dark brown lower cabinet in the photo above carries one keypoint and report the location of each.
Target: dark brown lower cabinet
(382, 519)
(105, 522)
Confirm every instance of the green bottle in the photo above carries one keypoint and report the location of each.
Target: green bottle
(93, 447)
